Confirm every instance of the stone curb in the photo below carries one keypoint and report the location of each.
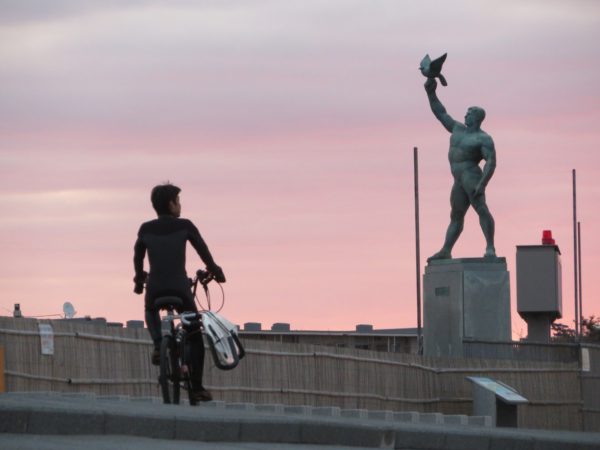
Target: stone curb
(81, 415)
(61, 422)
(304, 410)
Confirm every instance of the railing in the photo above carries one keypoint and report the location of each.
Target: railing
(522, 351)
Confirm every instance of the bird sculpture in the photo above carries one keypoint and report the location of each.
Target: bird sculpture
(433, 69)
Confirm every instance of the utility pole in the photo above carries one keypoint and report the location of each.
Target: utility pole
(579, 276)
(418, 250)
(575, 260)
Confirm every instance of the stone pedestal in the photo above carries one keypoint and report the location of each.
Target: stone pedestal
(464, 298)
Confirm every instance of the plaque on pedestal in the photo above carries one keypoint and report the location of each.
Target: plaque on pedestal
(464, 298)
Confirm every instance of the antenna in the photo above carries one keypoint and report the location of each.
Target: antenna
(69, 310)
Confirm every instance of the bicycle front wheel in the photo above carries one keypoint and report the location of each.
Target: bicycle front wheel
(169, 370)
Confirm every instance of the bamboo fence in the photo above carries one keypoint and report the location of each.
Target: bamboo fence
(116, 361)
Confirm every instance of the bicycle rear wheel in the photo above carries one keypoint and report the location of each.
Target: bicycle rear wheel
(188, 373)
(191, 395)
(169, 370)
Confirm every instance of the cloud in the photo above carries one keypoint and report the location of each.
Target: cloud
(290, 128)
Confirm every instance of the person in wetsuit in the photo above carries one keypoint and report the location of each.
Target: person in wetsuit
(165, 239)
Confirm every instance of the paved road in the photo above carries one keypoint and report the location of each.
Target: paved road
(43, 421)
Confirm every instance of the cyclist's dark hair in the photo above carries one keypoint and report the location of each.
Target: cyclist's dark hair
(162, 195)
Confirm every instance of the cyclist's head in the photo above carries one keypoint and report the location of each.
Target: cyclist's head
(162, 196)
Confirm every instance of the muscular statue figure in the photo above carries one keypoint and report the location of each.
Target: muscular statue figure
(469, 144)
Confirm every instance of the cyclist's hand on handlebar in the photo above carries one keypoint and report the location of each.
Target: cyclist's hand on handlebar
(215, 273)
(218, 274)
(203, 276)
(139, 281)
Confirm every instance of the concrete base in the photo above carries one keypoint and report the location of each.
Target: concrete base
(464, 298)
(538, 326)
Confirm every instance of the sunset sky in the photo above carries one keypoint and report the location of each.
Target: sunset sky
(290, 127)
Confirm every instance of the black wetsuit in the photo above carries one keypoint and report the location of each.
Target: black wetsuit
(165, 241)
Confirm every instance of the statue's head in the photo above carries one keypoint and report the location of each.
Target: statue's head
(474, 116)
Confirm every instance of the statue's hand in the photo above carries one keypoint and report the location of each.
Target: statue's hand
(430, 85)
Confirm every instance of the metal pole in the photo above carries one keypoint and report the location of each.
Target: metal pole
(575, 260)
(579, 273)
(418, 250)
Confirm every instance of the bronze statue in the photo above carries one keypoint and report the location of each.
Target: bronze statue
(469, 145)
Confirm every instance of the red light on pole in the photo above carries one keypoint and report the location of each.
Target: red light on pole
(547, 238)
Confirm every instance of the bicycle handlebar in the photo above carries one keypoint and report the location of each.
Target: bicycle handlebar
(202, 276)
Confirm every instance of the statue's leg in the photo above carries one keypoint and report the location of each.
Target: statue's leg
(459, 203)
(487, 223)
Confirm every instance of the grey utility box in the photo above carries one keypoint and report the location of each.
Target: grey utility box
(539, 285)
(497, 400)
(539, 288)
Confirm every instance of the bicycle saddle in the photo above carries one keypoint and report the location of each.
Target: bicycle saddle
(169, 301)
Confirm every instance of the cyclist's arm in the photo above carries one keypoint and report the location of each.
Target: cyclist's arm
(204, 253)
(139, 252)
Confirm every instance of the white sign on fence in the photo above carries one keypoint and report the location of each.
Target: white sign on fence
(46, 338)
(585, 359)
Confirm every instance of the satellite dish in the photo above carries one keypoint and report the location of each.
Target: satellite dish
(69, 310)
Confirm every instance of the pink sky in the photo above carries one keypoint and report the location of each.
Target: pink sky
(290, 128)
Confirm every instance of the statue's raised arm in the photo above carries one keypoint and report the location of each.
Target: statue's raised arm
(436, 105)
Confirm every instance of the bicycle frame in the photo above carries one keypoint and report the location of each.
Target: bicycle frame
(175, 367)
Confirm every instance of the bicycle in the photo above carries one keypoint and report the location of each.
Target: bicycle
(175, 368)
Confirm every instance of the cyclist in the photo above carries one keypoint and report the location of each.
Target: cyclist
(165, 240)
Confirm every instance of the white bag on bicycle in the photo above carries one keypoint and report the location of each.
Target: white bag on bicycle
(223, 340)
